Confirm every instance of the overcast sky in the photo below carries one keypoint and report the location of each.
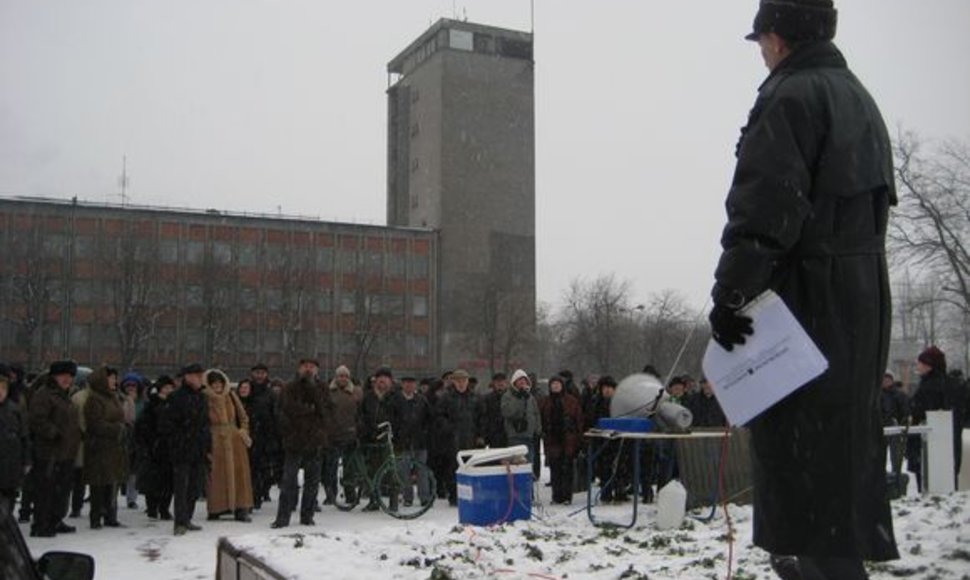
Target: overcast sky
(266, 106)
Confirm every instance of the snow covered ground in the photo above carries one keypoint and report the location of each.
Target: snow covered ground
(933, 534)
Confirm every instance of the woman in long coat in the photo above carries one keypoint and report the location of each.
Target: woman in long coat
(230, 485)
(105, 455)
(562, 423)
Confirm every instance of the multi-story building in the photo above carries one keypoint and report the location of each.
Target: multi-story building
(461, 160)
(153, 288)
(450, 281)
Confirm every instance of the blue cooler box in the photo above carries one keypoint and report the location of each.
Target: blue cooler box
(484, 494)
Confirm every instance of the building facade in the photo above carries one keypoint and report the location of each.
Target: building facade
(153, 288)
(461, 160)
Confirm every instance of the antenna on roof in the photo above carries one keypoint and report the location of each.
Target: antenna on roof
(123, 180)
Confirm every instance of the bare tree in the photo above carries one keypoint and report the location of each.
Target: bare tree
(502, 323)
(30, 285)
(137, 298)
(219, 319)
(931, 226)
(594, 312)
(296, 277)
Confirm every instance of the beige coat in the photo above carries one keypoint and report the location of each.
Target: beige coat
(230, 484)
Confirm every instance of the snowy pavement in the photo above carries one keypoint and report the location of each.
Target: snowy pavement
(933, 534)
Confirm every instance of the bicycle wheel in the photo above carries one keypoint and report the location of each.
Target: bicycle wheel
(407, 488)
(348, 485)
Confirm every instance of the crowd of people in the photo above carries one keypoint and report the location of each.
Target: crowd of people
(112, 437)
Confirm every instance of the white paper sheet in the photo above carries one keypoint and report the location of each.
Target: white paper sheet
(774, 362)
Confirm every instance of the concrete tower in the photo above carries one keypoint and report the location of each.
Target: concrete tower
(461, 160)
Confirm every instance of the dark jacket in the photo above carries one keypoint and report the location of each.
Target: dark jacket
(346, 406)
(411, 421)
(154, 459)
(304, 414)
(706, 410)
(14, 445)
(54, 424)
(455, 418)
(562, 425)
(374, 410)
(261, 409)
(894, 405)
(490, 425)
(105, 455)
(807, 214)
(185, 426)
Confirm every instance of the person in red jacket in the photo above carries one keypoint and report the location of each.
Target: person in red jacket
(562, 423)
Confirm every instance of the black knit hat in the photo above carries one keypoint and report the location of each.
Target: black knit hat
(796, 20)
(933, 357)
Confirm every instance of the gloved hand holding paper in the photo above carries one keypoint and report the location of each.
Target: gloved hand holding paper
(775, 361)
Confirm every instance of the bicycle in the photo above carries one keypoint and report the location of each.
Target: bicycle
(403, 487)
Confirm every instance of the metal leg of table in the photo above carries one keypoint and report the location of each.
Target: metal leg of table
(637, 447)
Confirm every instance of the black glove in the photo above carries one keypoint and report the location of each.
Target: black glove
(729, 327)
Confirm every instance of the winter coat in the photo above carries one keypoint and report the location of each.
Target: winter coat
(455, 420)
(521, 414)
(230, 483)
(14, 445)
(807, 214)
(154, 461)
(305, 411)
(261, 408)
(185, 426)
(346, 403)
(105, 455)
(410, 420)
(562, 424)
(374, 410)
(53, 421)
(490, 423)
(894, 405)
(706, 411)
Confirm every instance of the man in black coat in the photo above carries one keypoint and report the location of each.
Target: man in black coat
(305, 409)
(56, 436)
(489, 423)
(939, 392)
(807, 214)
(185, 425)
(265, 433)
(411, 421)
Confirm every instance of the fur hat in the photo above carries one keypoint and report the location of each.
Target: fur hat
(342, 370)
(192, 369)
(933, 357)
(796, 20)
(63, 367)
(384, 372)
(259, 367)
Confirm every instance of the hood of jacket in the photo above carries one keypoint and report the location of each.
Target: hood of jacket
(519, 374)
(208, 386)
(98, 381)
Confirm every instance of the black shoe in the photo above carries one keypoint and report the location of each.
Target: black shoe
(213, 517)
(62, 528)
(278, 524)
(328, 501)
(95, 525)
(785, 567)
(42, 533)
(307, 521)
(23, 519)
(75, 515)
(132, 505)
(152, 515)
(114, 524)
(242, 516)
(452, 502)
(180, 530)
(371, 507)
(192, 527)
(165, 515)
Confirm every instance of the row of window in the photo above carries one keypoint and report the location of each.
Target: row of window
(274, 256)
(93, 293)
